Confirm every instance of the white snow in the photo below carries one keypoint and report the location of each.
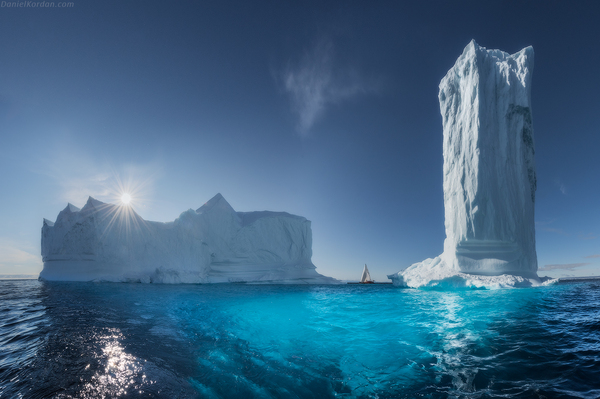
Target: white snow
(436, 273)
(214, 244)
(489, 174)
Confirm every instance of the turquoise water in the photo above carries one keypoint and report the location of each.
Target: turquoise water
(86, 340)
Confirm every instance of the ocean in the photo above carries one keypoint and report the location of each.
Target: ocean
(104, 340)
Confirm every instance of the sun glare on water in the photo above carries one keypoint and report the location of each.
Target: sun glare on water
(126, 199)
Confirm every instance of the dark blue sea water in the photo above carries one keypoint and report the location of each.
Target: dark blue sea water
(87, 340)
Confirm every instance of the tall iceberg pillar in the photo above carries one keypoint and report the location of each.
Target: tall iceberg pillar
(489, 167)
(489, 173)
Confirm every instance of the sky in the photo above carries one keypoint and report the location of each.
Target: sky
(324, 109)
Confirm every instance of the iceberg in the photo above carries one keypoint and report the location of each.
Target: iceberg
(489, 175)
(213, 244)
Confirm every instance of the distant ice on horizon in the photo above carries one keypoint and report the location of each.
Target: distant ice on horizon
(213, 244)
(489, 175)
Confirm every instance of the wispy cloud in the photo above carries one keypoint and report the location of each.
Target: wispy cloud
(77, 188)
(561, 186)
(19, 257)
(553, 230)
(567, 266)
(315, 82)
(592, 256)
(545, 226)
(588, 236)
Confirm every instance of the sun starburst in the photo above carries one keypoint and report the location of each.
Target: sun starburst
(126, 199)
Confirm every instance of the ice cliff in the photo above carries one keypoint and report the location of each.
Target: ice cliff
(213, 244)
(489, 174)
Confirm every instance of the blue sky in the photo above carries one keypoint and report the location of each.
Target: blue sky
(327, 110)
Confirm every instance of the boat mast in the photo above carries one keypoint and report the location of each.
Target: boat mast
(366, 276)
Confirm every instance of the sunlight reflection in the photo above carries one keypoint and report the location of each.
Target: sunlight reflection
(122, 373)
(457, 343)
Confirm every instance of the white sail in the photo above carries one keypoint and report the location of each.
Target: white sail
(366, 276)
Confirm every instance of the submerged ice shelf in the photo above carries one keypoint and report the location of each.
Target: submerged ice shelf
(489, 175)
(213, 244)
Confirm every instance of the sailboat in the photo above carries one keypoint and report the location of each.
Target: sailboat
(366, 276)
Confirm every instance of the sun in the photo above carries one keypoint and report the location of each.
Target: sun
(125, 199)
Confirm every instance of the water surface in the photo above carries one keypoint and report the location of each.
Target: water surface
(89, 340)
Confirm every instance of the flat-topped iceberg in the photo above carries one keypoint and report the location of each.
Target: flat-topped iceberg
(489, 175)
(213, 244)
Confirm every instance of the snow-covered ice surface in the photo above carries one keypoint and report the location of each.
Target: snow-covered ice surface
(435, 273)
(213, 244)
(489, 175)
